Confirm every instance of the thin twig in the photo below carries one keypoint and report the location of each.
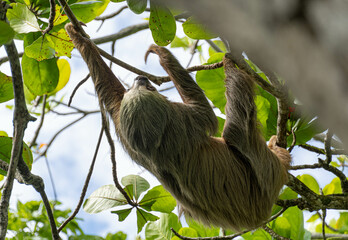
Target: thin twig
(324, 223)
(77, 87)
(274, 234)
(51, 17)
(85, 186)
(33, 141)
(103, 18)
(113, 158)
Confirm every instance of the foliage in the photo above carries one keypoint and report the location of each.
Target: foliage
(45, 73)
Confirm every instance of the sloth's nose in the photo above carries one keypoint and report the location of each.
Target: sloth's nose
(141, 80)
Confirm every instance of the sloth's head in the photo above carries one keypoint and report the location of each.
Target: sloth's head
(142, 83)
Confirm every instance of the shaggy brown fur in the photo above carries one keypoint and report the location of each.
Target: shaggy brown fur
(231, 182)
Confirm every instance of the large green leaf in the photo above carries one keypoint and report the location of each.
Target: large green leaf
(7, 33)
(334, 187)
(295, 218)
(212, 82)
(5, 152)
(40, 49)
(86, 11)
(143, 217)
(160, 230)
(310, 182)
(162, 24)
(137, 6)
(139, 184)
(6, 88)
(187, 232)
(64, 74)
(21, 19)
(202, 230)
(104, 198)
(40, 77)
(259, 234)
(61, 42)
(158, 199)
(195, 30)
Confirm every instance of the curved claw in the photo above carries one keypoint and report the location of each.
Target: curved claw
(152, 49)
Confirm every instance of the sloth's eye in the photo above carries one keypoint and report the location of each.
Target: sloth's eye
(150, 88)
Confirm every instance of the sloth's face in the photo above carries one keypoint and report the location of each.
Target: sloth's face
(143, 83)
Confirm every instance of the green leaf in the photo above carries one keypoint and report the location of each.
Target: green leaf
(180, 42)
(162, 24)
(139, 184)
(6, 88)
(137, 6)
(202, 230)
(286, 194)
(259, 234)
(116, 236)
(218, 43)
(342, 222)
(160, 230)
(21, 19)
(40, 77)
(295, 218)
(3, 133)
(40, 49)
(84, 237)
(5, 152)
(313, 218)
(64, 74)
(159, 200)
(86, 11)
(333, 188)
(187, 232)
(122, 214)
(7, 33)
(104, 198)
(310, 182)
(282, 227)
(212, 82)
(306, 131)
(61, 42)
(195, 30)
(263, 108)
(143, 217)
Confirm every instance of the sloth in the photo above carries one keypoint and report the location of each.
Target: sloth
(230, 181)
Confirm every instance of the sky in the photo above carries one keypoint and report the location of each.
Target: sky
(71, 153)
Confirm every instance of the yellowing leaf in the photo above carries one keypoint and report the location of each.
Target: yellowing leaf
(62, 43)
(64, 74)
(60, 16)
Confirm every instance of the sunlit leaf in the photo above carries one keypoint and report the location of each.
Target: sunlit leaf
(333, 188)
(139, 184)
(310, 182)
(64, 74)
(21, 19)
(61, 42)
(86, 11)
(202, 230)
(160, 230)
(187, 232)
(104, 198)
(160, 200)
(40, 49)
